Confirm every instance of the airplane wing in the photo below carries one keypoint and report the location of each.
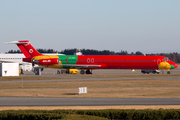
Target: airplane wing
(81, 66)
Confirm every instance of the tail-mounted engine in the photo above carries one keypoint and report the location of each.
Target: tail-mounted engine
(52, 61)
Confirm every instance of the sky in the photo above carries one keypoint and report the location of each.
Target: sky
(131, 25)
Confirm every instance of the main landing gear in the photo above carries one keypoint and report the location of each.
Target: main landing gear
(82, 71)
(87, 71)
(66, 71)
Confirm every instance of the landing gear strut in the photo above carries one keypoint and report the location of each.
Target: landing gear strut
(82, 71)
(58, 72)
(168, 72)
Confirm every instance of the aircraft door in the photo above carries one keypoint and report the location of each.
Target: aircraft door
(158, 61)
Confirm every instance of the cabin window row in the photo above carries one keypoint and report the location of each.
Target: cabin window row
(109, 60)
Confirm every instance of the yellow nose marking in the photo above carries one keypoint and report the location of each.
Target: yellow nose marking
(164, 65)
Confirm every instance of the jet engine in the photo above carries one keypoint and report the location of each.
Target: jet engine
(52, 61)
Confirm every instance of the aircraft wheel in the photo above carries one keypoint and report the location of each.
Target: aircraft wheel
(88, 72)
(58, 72)
(144, 72)
(168, 72)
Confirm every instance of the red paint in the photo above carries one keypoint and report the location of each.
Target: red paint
(27, 49)
(52, 61)
(122, 61)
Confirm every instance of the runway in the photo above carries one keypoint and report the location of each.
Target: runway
(27, 101)
(91, 79)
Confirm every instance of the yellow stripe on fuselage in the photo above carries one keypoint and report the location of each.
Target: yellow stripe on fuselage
(45, 57)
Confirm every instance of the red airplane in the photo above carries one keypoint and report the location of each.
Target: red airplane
(86, 63)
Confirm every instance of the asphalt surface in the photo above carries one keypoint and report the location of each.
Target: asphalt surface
(26, 101)
(49, 71)
(90, 79)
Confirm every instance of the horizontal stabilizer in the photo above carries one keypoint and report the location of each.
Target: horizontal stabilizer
(16, 42)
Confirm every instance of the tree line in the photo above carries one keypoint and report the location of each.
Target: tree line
(98, 52)
(172, 56)
(84, 51)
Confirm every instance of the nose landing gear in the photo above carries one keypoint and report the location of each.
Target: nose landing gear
(168, 72)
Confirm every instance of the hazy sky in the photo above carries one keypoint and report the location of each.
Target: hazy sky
(134, 25)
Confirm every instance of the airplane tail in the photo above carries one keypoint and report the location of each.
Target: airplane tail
(26, 48)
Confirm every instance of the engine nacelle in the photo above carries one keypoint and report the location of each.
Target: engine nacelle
(52, 61)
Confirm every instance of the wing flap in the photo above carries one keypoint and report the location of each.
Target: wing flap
(81, 66)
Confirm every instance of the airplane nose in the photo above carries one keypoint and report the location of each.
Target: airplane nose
(176, 65)
(173, 64)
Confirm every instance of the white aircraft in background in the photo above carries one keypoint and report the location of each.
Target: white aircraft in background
(18, 58)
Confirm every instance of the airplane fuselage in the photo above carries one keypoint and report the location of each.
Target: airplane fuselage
(110, 61)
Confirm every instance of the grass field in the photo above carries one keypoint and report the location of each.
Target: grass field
(124, 75)
(19, 78)
(134, 88)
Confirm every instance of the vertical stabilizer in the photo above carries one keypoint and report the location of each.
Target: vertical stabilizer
(26, 48)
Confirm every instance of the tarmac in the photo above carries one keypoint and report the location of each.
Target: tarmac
(27, 101)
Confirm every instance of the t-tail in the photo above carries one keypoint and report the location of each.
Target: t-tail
(26, 48)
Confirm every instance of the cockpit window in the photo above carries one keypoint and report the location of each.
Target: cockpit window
(165, 59)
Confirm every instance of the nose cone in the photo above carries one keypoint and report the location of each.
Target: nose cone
(173, 64)
(176, 65)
